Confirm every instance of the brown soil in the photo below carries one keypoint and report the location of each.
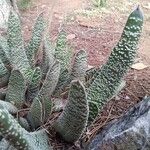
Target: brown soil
(98, 35)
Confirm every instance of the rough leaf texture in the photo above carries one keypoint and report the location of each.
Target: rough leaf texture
(36, 39)
(19, 137)
(10, 129)
(47, 89)
(77, 71)
(62, 53)
(79, 66)
(122, 56)
(42, 105)
(48, 56)
(72, 122)
(15, 41)
(35, 114)
(10, 107)
(34, 83)
(16, 89)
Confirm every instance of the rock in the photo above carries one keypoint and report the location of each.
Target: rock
(4, 13)
(130, 132)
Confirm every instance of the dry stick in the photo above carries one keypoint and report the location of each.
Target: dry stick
(94, 131)
(132, 94)
(145, 90)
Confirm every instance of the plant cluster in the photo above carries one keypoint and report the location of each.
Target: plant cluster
(35, 75)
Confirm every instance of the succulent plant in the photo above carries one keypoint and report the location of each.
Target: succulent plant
(109, 77)
(26, 84)
(76, 109)
(16, 89)
(29, 87)
(18, 137)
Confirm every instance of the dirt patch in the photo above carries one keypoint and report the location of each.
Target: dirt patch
(60, 11)
(95, 38)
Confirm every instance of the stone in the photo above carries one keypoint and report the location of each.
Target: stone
(130, 132)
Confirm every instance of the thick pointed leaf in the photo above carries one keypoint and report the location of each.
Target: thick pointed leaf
(10, 107)
(79, 66)
(62, 52)
(15, 42)
(73, 120)
(122, 57)
(34, 84)
(19, 137)
(35, 114)
(36, 39)
(16, 89)
(48, 56)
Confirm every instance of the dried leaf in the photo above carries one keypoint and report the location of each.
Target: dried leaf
(139, 66)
